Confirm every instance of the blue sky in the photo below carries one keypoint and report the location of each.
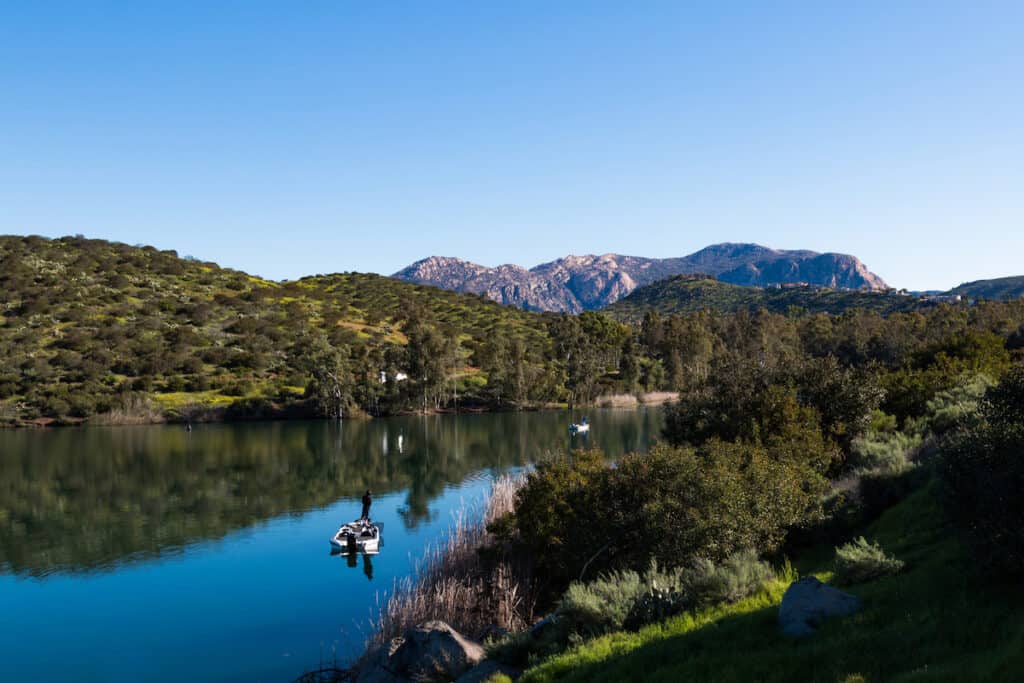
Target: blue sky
(297, 138)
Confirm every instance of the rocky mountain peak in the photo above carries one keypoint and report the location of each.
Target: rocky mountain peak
(577, 283)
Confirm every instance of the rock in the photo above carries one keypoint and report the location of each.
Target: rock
(433, 651)
(377, 669)
(808, 602)
(485, 670)
(581, 283)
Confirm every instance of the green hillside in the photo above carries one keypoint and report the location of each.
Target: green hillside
(94, 330)
(940, 620)
(999, 288)
(688, 294)
(92, 327)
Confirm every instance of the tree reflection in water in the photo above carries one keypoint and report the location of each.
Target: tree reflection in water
(87, 499)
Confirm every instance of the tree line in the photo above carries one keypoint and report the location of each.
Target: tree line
(88, 327)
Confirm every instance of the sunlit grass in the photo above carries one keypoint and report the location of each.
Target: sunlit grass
(180, 399)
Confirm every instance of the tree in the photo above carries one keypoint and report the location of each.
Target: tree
(982, 467)
(428, 351)
(331, 384)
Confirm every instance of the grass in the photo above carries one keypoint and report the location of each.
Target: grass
(452, 583)
(940, 620)
(181, 399)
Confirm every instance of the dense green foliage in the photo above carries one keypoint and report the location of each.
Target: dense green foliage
(983, 468)
(578, 517)
(695, 293)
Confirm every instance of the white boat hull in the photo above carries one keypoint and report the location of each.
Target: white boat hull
(357, 537)
(579, 428)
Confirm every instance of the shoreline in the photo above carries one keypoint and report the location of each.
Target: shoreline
(276, 413)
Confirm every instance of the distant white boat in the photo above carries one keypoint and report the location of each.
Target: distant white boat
(579, 427)
(362, 536)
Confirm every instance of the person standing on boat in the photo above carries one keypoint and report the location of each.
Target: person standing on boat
(367, 502)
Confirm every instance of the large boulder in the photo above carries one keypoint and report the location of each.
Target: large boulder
(433, 652)
(808, 602)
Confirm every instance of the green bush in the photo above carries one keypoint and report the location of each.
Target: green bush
(581, 517)
(950, 407)
(707, 583)
(883, 451)
(602, 605)
(631, 600)
(983, 470)
(859, 561)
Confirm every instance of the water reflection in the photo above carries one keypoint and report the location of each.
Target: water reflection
(74, 500)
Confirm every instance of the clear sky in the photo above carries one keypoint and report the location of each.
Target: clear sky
(292, 138)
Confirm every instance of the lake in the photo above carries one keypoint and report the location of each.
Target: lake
(157, 554)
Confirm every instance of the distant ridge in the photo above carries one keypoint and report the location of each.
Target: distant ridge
(998, 288)
(685, 294)
(580, 283)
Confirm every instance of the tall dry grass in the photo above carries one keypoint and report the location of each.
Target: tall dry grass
(455, 584)
(135, 409)
(650, 398)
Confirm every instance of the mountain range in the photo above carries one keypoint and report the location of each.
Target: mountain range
(581, 283)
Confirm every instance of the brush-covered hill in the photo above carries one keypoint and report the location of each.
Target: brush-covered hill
(999, 288)
(88, 326)
(582, 283)
(689, 294)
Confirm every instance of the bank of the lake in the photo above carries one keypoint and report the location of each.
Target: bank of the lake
(152, 553)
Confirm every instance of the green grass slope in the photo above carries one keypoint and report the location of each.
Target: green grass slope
(687, 294)
(940, 620)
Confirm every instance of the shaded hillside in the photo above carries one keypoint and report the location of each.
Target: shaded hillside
(578, 283)
(688, 294)
(999, 288)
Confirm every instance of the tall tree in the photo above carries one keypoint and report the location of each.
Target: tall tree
(331, 385)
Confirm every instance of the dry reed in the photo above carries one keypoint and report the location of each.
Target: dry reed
(454, 584)
(134, 410)
(650, 398)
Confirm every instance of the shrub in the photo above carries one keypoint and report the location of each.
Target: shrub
(581, 518)
(630, 600)
(983, 470)
(883, 451)
(950, 407)
(740, 575)
(862, 561)
(601, 605)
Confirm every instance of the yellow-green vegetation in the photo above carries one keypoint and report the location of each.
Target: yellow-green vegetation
(941, 619)
(87, 327)
(87, 324)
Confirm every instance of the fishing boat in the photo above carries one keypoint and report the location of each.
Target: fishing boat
(360, 536)
(579, 427)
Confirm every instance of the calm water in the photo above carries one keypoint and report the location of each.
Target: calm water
(154, 554)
